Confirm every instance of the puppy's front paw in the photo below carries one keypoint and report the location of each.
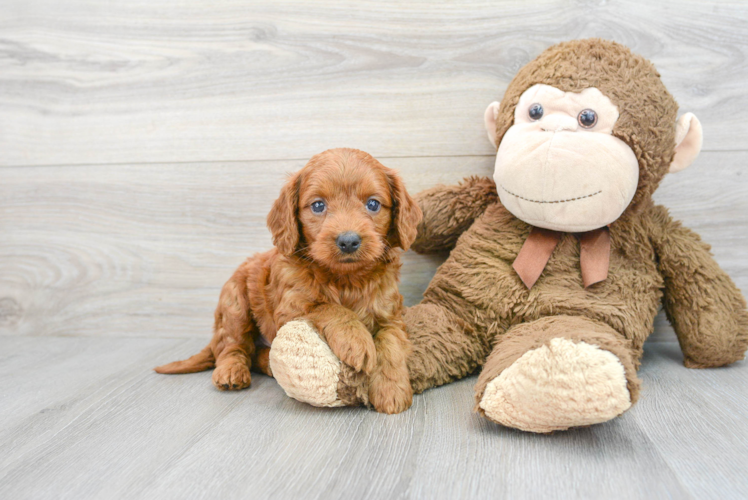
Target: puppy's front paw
(354, 346)
(231, 376)
(390, 396)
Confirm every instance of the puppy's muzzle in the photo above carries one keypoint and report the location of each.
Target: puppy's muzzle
(348, 242)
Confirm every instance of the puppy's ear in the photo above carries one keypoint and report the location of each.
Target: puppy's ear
(283, 217)
(405, 213)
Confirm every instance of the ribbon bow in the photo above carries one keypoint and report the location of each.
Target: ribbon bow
(594, 254)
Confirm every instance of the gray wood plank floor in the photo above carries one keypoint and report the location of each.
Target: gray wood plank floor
(141, 146)
(86, 418)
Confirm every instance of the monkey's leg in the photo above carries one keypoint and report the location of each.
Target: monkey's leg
(306, 368)
(555, 373)
(444, 349)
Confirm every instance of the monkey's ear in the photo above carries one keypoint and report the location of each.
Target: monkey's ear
(489, 119)
(282, 219)
(688, 140)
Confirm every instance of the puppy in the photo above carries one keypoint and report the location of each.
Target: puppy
(336, 226)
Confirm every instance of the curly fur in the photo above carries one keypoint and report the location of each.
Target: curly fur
(351, 299)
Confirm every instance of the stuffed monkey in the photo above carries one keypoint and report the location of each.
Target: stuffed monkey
(559, 264)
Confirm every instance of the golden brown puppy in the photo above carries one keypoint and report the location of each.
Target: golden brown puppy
(336, 227)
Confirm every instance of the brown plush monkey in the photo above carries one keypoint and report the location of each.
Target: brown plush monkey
(559, 265)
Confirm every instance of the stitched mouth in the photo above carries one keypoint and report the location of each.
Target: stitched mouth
(551, 201)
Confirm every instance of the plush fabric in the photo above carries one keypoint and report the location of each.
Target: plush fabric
(553, 380)
(594, 255)
(647, 110)
(559, 345)
(308, 371)
(688, 137)
(578, 179)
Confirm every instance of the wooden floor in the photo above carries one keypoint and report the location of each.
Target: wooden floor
(141, 146)
(86, 418)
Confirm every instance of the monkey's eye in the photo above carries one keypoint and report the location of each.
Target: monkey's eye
(536, 112)
(587, 118)
(318, 207)
(373, 205)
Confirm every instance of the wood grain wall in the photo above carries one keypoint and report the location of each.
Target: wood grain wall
(142, 143)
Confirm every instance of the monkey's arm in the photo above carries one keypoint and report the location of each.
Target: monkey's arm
(706, 309)
(448, 211)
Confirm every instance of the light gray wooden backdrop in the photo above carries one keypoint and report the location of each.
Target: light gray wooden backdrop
(141, 146)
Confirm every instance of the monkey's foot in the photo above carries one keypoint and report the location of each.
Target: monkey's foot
(558, 385)
(306, 368)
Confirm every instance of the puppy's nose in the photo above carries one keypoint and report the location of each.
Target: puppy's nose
(348, 242)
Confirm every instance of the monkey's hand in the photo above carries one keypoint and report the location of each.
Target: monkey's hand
(706, 309)
(448, 211)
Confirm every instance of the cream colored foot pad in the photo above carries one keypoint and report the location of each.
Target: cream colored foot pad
(556, 387)
(304, 365)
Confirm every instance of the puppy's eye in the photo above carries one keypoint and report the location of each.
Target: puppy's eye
(587, 118)
(536, 112)
(319, 207)
(373, 205)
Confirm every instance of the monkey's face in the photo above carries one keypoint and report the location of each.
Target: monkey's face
(559, 166)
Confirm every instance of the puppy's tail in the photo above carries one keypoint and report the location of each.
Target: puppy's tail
(204, 360)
